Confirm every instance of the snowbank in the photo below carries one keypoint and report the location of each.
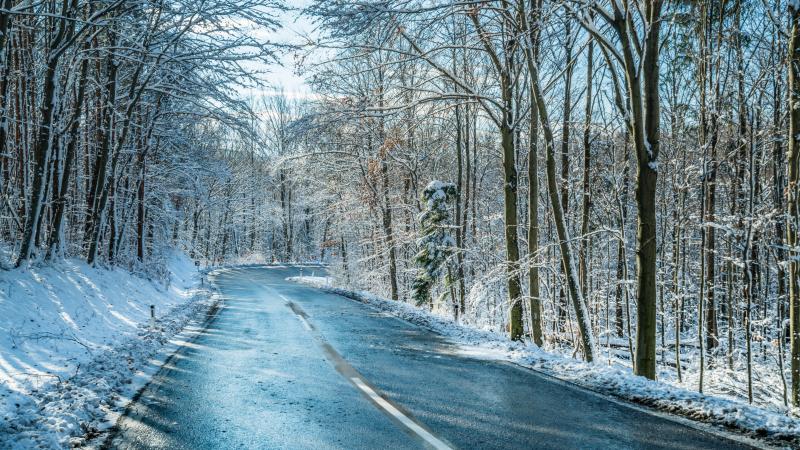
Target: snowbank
(612, 380)
(76, 345)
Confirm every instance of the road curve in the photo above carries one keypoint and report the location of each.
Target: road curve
(284, 366)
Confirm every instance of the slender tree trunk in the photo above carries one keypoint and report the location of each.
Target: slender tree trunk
(388, 230)
(101, 163)
(533, 231)
(286, 214)
(459, 305)
(343, 248)
(708, 142)
(140, 209)
(750, 282)
(533, 200)
(511, 223)
(581, 312)
(793, 159)
(510, 181)
(587, 159)
(565, 138)
(677, 294)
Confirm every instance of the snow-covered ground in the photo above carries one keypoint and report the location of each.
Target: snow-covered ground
(76, 345)
(777, 427)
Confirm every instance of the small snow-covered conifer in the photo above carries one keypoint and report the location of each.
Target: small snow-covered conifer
(436, 245)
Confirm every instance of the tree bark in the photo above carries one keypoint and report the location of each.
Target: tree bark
(533, 193)
(642, 86)
(510, 213)
(793, 158)
(581, 312)
(587, 160)
(101, 163)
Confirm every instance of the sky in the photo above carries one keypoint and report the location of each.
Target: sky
(296, 30)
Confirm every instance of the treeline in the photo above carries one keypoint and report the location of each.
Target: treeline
(119, 119)
(625, 172)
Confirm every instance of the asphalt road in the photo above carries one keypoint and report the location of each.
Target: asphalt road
(284, 366)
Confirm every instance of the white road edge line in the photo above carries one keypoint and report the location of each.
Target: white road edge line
(410, 424)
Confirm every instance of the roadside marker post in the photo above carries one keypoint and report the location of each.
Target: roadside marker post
(202, 277)
(152, 316)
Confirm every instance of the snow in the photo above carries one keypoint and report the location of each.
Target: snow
(318, 282)
(76, 345)
(437, 191)
(611, 380)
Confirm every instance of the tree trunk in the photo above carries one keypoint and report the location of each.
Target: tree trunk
(642, 87)
(511, 223)
(101, 163)
(587, 159)
(533, 228)
(389, 232)
(565, 136)
(140, 210)
(533, 199)
(286, 214)
(708, 143)
(793, 158)
(581, 312)
(459, 305)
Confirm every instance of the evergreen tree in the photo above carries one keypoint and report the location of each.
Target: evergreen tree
(436, 244)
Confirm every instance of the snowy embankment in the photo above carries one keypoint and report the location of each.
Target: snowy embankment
(76, 345)
(757, 422)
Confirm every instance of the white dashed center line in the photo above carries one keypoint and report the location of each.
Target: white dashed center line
(354, 377)
(410, 424)
(306, 325)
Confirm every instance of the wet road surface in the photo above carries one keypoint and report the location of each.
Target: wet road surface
(285, 366)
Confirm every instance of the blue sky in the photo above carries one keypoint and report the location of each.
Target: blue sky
(295, 29)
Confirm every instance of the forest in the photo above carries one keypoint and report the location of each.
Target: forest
(612, 180)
